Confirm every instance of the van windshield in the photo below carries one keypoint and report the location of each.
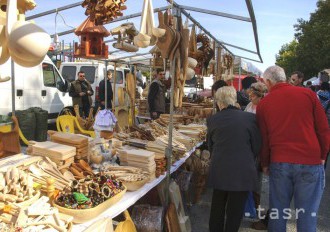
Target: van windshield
(52, 78)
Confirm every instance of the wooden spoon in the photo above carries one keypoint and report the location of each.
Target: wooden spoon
(68, 175)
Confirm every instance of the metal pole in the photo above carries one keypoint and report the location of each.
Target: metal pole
(217, 13)
(114, 88)
(13, 86)
(169, 149)
(115, 20)
(106, 85)
(151, 71)
(239, 74)
(54, 11)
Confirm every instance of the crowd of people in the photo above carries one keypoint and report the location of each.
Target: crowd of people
(277, 128)
(283, 132)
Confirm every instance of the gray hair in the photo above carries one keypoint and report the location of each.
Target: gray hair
(259, 89)
(226, 96)
(274, 74)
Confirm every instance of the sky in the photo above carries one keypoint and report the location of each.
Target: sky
(275, 20)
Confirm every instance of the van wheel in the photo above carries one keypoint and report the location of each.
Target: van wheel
(67, 111)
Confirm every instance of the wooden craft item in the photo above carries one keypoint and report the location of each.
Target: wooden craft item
(122, 118)
(142, 154)
(151, 25)
(130, 85)
(121, 96)
(9, 141)
(164, 43)
(192, 41)
(18, 160)
(68, 138)
(172, 221)
(53, 150)
(122, 45)
(101, 225)
(142, 40)
(176, 43)
(176, 35)
(84, 215)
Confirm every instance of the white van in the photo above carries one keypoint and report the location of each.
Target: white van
(94, 72)
(38, 86)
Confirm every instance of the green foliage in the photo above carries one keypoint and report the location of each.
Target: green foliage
(310, 51)
(287, 57)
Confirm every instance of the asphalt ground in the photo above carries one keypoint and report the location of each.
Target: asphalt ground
(199, 212)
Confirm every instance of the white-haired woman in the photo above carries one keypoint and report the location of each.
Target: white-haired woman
(256, 92)
(234, 141)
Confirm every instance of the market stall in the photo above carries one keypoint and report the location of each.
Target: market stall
(73, 181)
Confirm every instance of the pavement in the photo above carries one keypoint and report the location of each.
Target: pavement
(199, 212)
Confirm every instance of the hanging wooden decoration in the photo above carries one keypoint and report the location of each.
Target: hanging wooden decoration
(208, 52)
(228, 62)
(103, 11)
(157, 60)
(91, 41)
(126, 33)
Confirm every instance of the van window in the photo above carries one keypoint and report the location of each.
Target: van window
(89, 73)
(50, 74)
(69, 73)
(119, 77)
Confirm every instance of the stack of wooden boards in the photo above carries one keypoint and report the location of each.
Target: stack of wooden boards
(81, 143)
(143, 108)
(160, 165)
(62, 155)
(138, 158)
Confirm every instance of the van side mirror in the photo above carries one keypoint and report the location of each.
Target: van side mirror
(63, 86)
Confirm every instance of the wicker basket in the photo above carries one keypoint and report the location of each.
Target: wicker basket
(84, 215)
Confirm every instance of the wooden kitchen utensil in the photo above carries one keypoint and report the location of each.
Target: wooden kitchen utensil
(121, 96)
(164, 42)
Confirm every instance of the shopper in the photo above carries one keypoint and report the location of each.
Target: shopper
(109, 92)
(243, 95)
(297, 79)
(156, 95)
(216, 85)
(256, 92)
(234, 141)
(81, 92)
(295, 132)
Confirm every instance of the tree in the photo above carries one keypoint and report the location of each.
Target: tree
(311, 53)
(287, 57)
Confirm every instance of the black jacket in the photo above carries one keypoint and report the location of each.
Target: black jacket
(234, 142)
(109, 93)
(156, 97)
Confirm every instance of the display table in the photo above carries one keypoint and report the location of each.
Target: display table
(130, 198)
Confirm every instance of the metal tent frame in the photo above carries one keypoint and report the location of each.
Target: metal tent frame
(177, 10)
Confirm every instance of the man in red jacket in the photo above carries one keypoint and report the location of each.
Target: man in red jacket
(295, 131)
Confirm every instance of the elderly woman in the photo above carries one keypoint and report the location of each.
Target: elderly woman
(256, 92)
(234, 141)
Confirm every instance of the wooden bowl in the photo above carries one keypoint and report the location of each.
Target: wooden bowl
(106, 134)
(84, 215)
(134, 185)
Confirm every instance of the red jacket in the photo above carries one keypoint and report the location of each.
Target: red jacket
(293, 126)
